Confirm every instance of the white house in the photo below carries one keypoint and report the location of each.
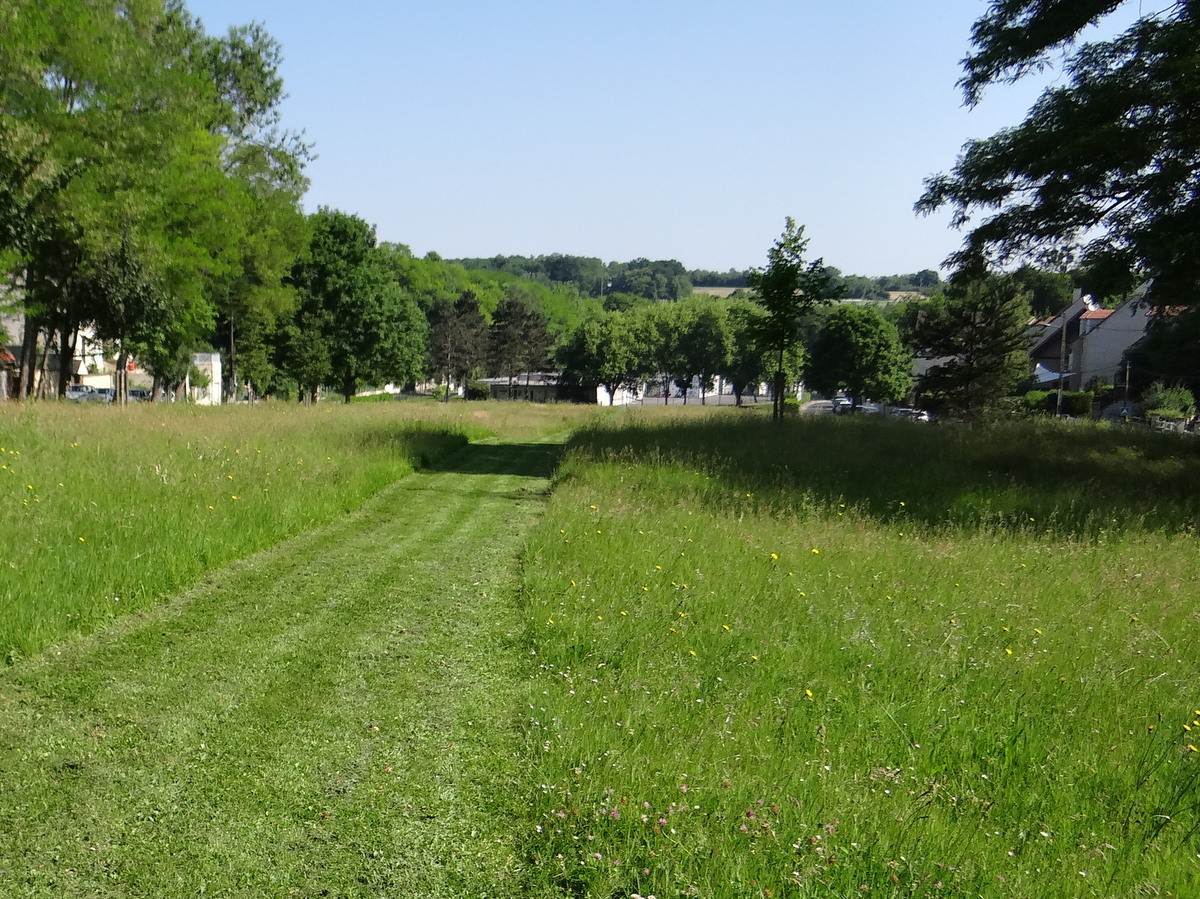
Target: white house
(1104, 338)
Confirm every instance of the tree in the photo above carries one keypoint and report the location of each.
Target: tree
(747, 364)
(1049, 292)
(130, 141)
(518, 339)
(700, 346)
(1168, 351)
(975, 338)
(858, 351)
(458, 338)
(604, 352)
(1104, 164)
(788, 289)
(354, 324)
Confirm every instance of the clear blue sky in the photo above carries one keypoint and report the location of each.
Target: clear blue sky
(664, 129)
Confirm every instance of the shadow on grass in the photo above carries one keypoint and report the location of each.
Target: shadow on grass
(529, 460)
(1072, 478)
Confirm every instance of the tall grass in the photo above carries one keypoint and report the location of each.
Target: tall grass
(105, 510)
(865, 656)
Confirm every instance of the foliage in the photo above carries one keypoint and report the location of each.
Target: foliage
(518, 338)
(604, 351)
(700, 344)
(476, 390)
(787, 288)
(1075, 403)
(1049, 292)
(146, 185)
(1170, 351)
(1169, 401)
(354, 324)
(975, 341)
(748, 365)
(1104, 161)
(858, 351)
(458, 338)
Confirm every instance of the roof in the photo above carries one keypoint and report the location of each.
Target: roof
(1097, 314)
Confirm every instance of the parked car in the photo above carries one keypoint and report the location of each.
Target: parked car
(81, 393)
(104, 395)
(139, 395)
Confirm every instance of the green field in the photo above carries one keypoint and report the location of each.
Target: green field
(698, 655)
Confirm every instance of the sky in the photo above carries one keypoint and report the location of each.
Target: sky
(658, 129)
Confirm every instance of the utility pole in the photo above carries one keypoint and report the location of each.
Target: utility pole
(1062, 352)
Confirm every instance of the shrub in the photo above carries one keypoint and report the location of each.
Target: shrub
(1077, 403)
(1037, 401)
(1174, 401)
(478, 390)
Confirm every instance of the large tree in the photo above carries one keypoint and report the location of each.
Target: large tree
(856, 350)
(132, 142)
(458, 339)
(354, 324)
(1103, 169)
(788, 289)
(748, 364)
(701, 344)
(604, 351)
(974, 341)
(518, 338)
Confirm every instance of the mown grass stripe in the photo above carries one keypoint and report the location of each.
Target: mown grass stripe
(238, 740)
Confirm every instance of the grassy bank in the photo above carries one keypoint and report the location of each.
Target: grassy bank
(866, 656)
(104, 510)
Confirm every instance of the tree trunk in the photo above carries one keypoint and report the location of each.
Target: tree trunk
(121, 378)
(28, 355)
(66, 358)
(42, 378)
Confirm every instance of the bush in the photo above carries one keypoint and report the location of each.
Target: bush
(477, 390)
(1076, 403)
(1039, 401)
(1174, 401)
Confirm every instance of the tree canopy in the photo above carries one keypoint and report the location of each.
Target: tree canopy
(1103, 169)
(856, 350)
(975, 337)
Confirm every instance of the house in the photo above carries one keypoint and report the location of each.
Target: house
(207, 392)
(1051, 339)
(1099, 351)
(536, 387)
(1095, 341)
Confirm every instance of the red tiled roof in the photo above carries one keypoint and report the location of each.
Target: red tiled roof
(1097, 314)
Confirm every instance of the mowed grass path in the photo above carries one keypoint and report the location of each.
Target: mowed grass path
(332, 717)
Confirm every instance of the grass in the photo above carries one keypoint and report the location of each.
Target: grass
(333, 716)
(726, 659)
(895, 659)
(107, 510)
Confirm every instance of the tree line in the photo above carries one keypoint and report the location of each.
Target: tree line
(973, 331)
(668, 279)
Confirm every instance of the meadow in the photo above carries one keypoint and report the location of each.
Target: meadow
(105, 510)
(710, 657)
(864, 656)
